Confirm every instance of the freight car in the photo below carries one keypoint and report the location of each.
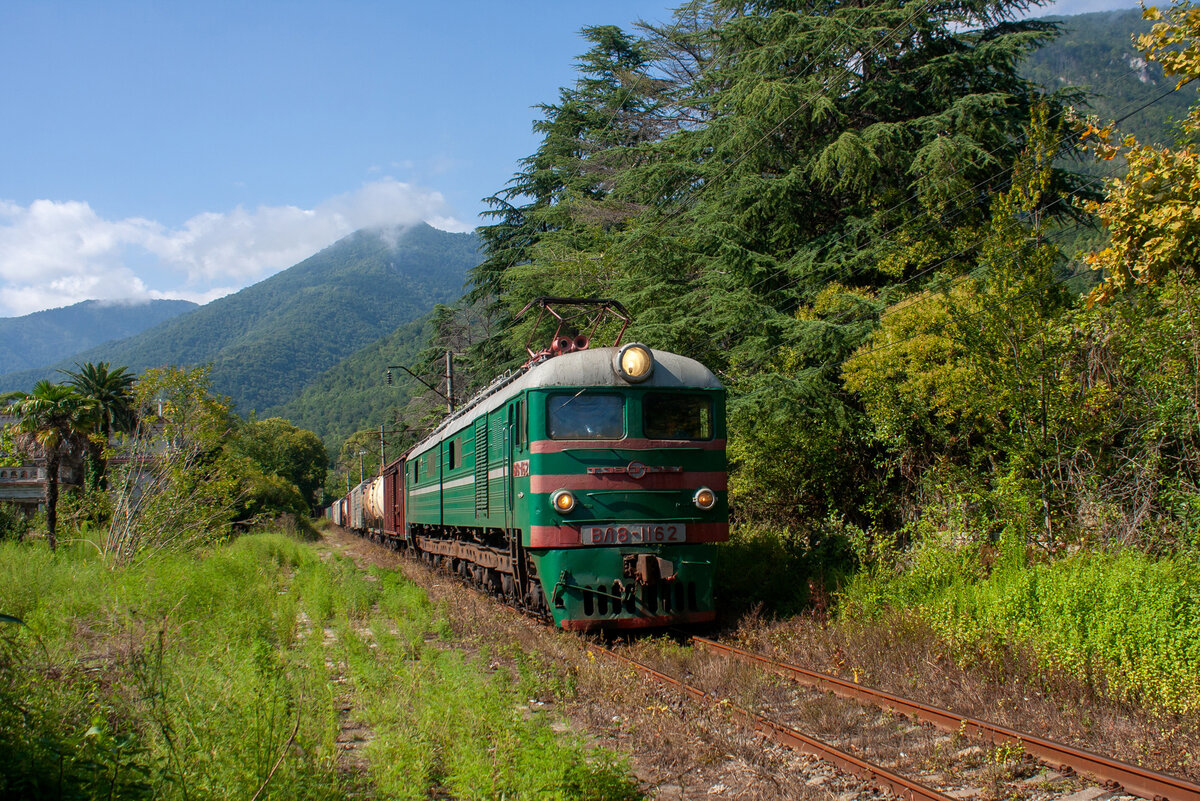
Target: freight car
(589, 486)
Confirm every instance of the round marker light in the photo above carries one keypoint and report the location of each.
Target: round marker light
(562, 501)
(704, 498)
(634, 362)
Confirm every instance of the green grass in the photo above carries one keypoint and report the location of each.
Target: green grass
(1125, 617)
(221, 675)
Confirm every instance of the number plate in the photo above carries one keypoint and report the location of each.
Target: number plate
(634, 533)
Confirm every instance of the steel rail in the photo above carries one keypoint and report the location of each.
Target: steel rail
(900, 786)
(1131, 778)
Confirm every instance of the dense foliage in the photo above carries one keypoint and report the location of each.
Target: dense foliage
(1125, 620)
(168, 465)
(51, 422)
(294, 456)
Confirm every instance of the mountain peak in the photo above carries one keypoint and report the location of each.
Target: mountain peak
(267, 341)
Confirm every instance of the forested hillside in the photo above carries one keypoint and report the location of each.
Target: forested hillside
(1096, 53)
(353, 394)
(46, 337)
(266, 342)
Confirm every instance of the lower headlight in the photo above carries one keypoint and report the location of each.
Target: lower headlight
(562, 501)
(704, 498)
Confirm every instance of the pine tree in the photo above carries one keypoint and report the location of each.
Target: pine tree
(849, 143)
(559, 210)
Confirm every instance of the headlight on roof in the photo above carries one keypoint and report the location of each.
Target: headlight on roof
(634, 362)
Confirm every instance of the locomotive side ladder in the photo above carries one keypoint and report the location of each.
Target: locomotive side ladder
(481, 467)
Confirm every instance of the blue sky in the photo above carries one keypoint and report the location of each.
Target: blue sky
(189, 149)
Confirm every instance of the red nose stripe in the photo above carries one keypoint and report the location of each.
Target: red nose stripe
(622, 481)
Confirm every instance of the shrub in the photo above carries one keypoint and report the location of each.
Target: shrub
(1129, 618)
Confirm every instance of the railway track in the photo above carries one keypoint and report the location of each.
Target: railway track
(878, 775)
(1116, 778)
(1112, 773)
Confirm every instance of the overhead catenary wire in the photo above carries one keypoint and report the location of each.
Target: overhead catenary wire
(698, 190)
(919, 9)
(695, 191)
(934, 223)
(1016, 175)
(965, 251)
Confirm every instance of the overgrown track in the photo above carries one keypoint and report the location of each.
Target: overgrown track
(898, 785)
(1116, 776)
(1110, 772)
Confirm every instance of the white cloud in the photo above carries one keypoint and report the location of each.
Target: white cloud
(56, 253)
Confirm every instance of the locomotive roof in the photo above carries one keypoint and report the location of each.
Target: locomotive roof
(591, 367)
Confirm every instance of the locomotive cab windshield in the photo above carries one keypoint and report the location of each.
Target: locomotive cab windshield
(677, 416)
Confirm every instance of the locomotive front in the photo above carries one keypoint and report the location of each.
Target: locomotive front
(621, 479)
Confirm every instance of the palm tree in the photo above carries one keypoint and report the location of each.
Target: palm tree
(112, 392)
(56, 419)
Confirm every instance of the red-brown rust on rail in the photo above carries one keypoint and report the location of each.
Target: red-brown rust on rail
(898, 785)
(1137, 781)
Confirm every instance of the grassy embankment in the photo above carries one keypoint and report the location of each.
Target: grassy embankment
(1125, 621)
(227, 673)
(1122, 621)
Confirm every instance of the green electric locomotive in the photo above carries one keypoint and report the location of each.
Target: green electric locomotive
(588, 486)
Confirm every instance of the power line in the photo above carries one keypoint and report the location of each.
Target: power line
(914, 198)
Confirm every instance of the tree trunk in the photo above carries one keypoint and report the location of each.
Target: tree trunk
(52, 498)
(97, 467)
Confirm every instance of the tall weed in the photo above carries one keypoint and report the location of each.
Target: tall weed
(223, 674)
(446, 725)
(1124, 616)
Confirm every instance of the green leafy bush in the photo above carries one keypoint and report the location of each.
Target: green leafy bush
(1128, 618)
